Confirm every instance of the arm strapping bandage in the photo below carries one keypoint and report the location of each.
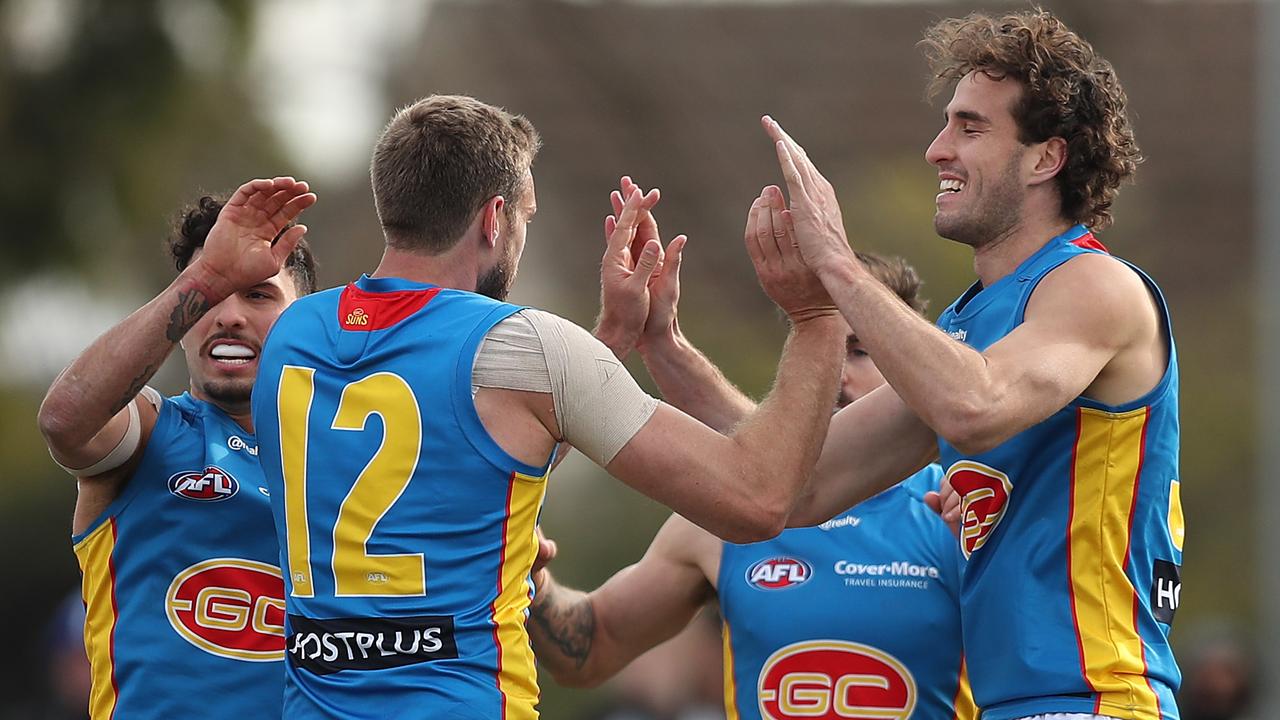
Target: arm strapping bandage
(598, 404)
(128, 444)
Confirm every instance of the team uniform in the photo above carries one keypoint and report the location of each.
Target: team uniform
(406, 532)
(184, 600)
(1073, 532)
(856, 618)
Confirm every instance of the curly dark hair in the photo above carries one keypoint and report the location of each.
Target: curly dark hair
(193, 225)
(1069, 91)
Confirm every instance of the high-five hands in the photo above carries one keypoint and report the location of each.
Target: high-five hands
(242, 248)
(783, 273)
(818, 225)
(636, 271)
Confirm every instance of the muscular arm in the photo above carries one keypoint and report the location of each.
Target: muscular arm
(1090, 327)
(690, 381)
(1063, 349)
(584, 639)
(83, 415)
(742, 486)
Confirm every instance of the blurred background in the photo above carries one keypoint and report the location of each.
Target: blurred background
(115, 114)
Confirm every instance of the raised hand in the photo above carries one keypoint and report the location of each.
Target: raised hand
(627, 270)
(818, 225)
(783, 273)
(664, 283)
(249, 243)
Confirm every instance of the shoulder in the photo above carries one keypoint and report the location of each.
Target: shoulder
(1094, 289)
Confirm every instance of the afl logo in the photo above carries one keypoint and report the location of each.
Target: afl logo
(211, 485)
(778, 573)
(357, 317)
(231, 608)
(835, 680)
(984, 493)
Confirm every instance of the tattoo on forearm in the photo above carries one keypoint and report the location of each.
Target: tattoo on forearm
(192, 304)
(570, 625)
(135, 387)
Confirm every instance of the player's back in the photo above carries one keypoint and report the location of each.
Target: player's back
(406, 532)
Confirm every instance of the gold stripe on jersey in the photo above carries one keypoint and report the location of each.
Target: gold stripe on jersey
(730, 689)
(1104, 488)
(94, 553)
(517, 676)
(1177, 526)
(964, 706)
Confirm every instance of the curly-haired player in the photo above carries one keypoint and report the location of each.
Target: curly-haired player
(1049, 388)
(183, 595)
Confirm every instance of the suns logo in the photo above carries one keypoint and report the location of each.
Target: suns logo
(230, 607)
(357, 317)
(984, 493)
(778, 573)
(835, 680)
(213, 484)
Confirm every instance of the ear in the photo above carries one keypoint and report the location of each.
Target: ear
(1050, 157)
(491, 221)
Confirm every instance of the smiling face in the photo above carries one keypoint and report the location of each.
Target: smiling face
(980, 162)
(222, 348)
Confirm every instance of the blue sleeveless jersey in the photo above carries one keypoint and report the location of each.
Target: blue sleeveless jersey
(1073, 533)
(406, 532)
(184, 602)
(856, 618)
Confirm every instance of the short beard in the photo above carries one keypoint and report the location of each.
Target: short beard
(999, 211)
(228, 393)
(496, 282)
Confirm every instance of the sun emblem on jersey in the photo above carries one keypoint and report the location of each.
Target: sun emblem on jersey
(984, 493)
(835, 679)
(209, 485)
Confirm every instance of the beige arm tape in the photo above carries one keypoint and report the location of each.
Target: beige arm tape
(128, 444)
(598, 404)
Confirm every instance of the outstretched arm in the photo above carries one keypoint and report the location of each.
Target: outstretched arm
(584, 639)
(741, 487)
(85, 414)
(977, 400)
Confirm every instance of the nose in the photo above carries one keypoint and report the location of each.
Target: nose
(229, 313)
(940, 150)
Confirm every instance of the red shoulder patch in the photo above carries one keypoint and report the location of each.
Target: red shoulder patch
(1087, 240)
(359, 310)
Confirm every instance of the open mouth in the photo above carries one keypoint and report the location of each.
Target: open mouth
(950, 186)
(232, 353)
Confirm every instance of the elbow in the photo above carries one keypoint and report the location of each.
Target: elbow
(970, 427)
(756, 522)
(577, 678)
(57, 424)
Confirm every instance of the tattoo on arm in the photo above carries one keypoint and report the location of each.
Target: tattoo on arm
(192, 305)
(135, 387)
(570, 625)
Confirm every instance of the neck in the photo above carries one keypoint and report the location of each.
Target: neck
(446, 270)
(1003, 253)
(242, 413)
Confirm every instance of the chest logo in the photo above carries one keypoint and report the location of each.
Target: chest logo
(231, 608)
(777, 573)
(835, 680)
(212, 484)
(984, 493)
